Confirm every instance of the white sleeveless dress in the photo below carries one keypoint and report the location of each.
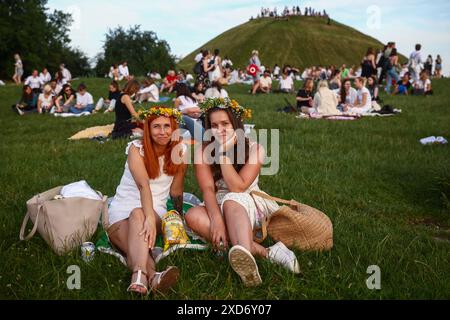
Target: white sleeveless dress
(216, 74)
(256, 207)
(128, 197)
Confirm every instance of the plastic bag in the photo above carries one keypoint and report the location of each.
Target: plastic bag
(173, 230)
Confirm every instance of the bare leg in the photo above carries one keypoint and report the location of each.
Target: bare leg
(240, 230)
(198, 220)
(119, 237)
(126, 238)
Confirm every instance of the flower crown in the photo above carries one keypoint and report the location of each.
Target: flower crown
(226, 103)
(159, 111)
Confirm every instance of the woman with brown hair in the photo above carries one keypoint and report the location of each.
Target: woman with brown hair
(154, 171)
(369, 67)
(125, 126)
(227, 170)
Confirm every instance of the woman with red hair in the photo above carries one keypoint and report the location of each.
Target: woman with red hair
(154, 171)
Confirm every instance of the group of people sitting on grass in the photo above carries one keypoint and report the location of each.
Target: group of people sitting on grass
(119, 72)
(187, 99)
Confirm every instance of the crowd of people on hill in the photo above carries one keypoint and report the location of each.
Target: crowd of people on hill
(287, 12)
(43, 93)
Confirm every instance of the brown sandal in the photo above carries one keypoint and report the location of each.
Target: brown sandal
(164, 280)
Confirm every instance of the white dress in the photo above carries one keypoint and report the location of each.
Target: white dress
(128, 197)
(216, 74)
(256, 207)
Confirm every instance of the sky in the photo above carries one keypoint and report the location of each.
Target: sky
(187, 25)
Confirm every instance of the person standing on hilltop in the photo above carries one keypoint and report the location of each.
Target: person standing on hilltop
(438, 67)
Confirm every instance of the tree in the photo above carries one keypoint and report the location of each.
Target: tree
(141, 49)
(41, 38)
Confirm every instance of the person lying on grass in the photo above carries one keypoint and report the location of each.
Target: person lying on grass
(154, 171)
(227, 170)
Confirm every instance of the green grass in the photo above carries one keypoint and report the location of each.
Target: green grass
(372, 177)
(301, 42)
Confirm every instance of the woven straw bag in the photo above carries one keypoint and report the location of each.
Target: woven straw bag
(297, 226)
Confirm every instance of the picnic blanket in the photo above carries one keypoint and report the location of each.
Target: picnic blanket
(71, 115)
(93, 132)
(196, 243)
(342, 117)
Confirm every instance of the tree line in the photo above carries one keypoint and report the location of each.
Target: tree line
(42, 39)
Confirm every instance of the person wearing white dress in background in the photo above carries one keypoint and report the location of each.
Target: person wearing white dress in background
(216, 73)
(18, 69)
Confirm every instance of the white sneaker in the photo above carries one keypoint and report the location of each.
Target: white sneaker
(281, 255)
(19, 111)
(243, 262)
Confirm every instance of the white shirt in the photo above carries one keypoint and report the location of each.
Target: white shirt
(415, 59)
(234, 77)
(198, 57)
(66, 75)
(423, 85)
(225, 62)
(34, 82)
(155, 76)
(186, 103)
(214, 93)
(351, 97)
(46, 102)
(286, 83)
(265, 82)
(123, 71)
(361, 92)
(153, 90)
(45, 77)
(85, 99)
(276, 71)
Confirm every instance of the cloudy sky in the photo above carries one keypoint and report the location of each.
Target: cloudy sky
(186, 25)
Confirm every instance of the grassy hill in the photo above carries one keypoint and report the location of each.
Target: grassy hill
(299, 41)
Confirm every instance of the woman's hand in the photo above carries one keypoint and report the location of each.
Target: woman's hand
(218, 233)
(229, 144)
(149, 232)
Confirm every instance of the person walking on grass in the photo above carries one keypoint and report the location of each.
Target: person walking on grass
(227, 170)
(154, 171)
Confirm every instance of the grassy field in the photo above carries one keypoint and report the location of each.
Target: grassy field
(387, 195)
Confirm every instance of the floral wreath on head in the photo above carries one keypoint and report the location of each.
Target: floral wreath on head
(226, 103)
(161, 111)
